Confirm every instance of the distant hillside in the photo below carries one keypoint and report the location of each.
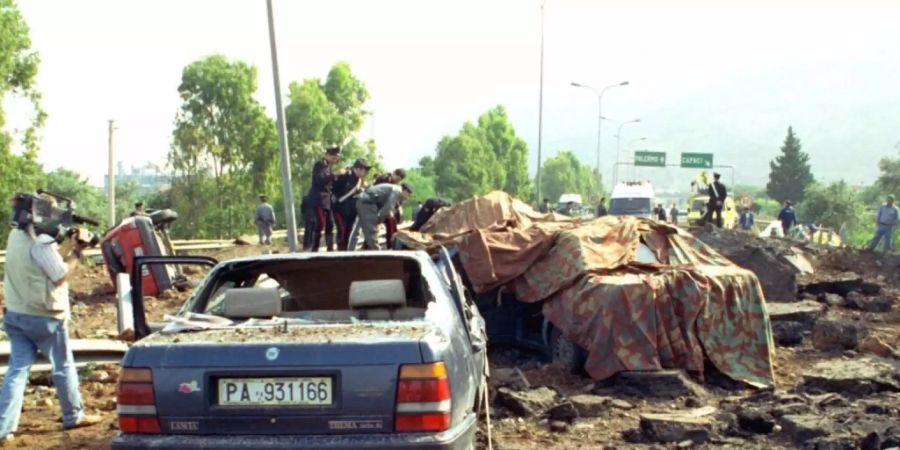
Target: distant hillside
(847, 118)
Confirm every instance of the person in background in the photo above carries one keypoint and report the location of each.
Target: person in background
(717, 195)
(432, 205)
(886, 219)
(395, 217)
(264, 220)
(373, 207)
(601, 207)
(673, 214)
(138, 210)
(660, 213)
(545, 206)
(416, 210)
(308, 214)
(320, 192)
(36, 309)
(746, 220)
(788, 217)
(347, 188)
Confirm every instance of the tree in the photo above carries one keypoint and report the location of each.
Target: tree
(320, 115)
(480, 158)
(831, 206)
(224, 150)
(464, 164)
(790, 172)
(889, 178)
(89, 200)
(564, 174)
(19, 171)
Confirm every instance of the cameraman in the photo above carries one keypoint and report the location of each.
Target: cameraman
(36, 292)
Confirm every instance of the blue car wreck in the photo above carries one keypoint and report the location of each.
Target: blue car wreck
(370, 350)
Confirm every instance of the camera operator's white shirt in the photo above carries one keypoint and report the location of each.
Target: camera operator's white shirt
(45, 253)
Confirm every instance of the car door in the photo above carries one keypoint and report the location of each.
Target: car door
(472, 320)
(130, 301)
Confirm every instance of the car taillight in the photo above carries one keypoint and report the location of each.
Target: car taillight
(136, 402)
(423, 398)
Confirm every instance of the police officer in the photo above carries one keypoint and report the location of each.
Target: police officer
(374, 205)
(391, 221)
(319, 198)
(717, 195)
(431, 206)
(347, 188)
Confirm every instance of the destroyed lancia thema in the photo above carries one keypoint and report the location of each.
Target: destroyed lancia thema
(338, 351)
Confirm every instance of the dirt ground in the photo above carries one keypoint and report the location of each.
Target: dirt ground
(94, 317)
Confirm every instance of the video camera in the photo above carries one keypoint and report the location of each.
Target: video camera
(53, 215)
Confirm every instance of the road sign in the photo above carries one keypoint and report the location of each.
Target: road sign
(697, 160)
(650, 159)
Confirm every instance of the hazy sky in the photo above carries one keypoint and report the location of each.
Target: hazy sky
(429, 65)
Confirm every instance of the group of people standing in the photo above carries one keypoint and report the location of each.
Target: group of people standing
(340, 203)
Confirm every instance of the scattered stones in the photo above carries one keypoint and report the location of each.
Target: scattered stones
(843, 285)
(835, 335)
(858, 301)
(676, 427)
(512, 378)
(530, 403)
(590, 405)
(565, 412)
(832, 300)
(861, 376)
(806, 312)
(876, 347)
(667, 384)
(558, 426)
(803, 428)
(755, 420)
(621, 404)
(788, 334)
(832, 443)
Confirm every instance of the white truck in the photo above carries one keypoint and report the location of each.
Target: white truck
(632, 198)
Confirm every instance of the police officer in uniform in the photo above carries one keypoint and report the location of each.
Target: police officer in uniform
(347, 188)
(319, 198)
(717, 194)
(375, 205)
(393, 219)
(431, 206)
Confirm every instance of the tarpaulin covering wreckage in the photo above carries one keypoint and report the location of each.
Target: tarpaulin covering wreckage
(636, 294)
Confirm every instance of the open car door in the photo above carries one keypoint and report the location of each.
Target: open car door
(468, 310)
(130, 297)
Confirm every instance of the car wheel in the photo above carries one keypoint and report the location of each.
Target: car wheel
(565, 353)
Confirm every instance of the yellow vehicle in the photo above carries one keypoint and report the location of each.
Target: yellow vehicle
(699, 199)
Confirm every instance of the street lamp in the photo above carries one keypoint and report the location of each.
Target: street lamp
(619, 136)
(599, 111)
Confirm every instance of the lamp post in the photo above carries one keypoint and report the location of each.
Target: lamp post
(619, 136)
(600, 117)
(540, 110)
(282, 139)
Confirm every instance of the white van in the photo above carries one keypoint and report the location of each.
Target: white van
(633, 198)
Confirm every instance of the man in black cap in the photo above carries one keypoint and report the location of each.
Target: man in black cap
(393, 219)
(319, 198)
(346, 190)
(717, 195)
(374, 205)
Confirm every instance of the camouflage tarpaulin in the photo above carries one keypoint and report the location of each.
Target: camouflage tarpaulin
(635, 294)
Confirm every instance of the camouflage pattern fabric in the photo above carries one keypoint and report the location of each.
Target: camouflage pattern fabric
(636, 294)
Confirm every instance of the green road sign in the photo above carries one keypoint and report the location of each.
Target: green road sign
(650, 159)
(697, 160)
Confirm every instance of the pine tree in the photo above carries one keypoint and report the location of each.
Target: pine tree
(790, 173)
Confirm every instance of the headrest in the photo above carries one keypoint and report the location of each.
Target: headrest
(243, 303)
(377, 294)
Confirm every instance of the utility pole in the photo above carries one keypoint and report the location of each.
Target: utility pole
(540, 110)
(111, 181)
(282, 141)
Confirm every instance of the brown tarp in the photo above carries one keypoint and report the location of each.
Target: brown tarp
(635, 294)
